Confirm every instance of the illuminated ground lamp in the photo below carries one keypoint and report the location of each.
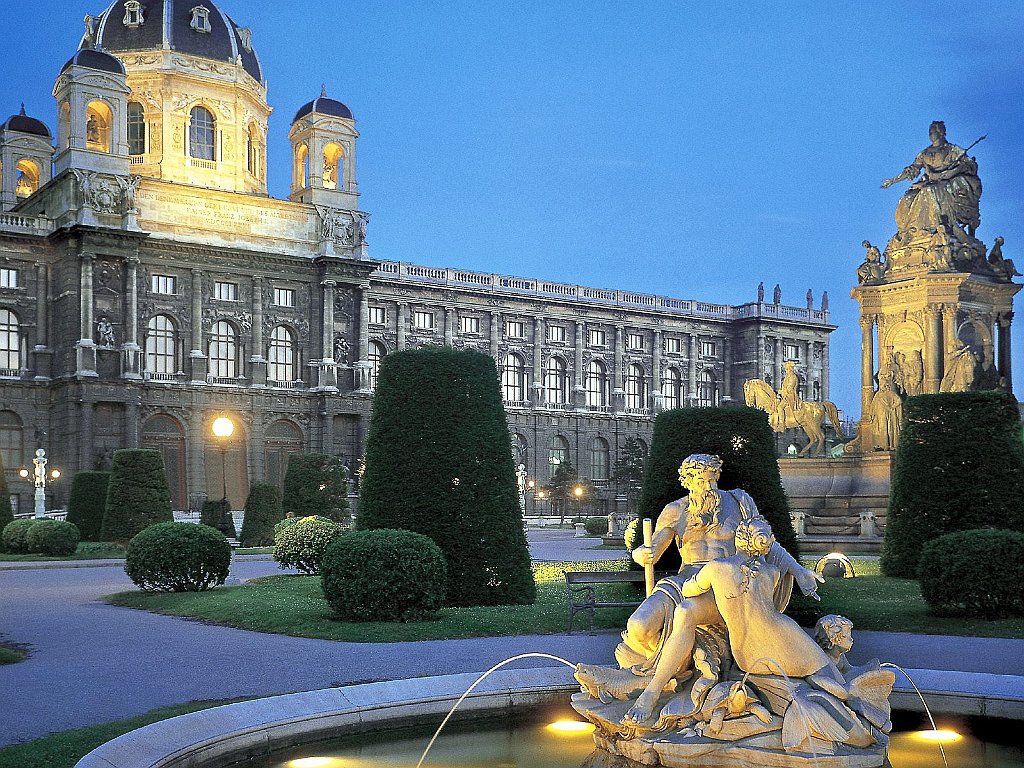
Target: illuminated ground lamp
(570, 727)
(39, 476)
(835, 565)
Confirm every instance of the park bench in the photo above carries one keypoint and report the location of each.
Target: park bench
(582, 595)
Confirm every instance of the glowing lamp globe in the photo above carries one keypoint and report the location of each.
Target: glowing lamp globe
(223, 427)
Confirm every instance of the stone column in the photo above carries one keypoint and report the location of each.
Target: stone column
(362, 368)
(196, 453)
(777, 371)
(132, 427)
(86, 346)
(42, 355)
(948, 333)
(867, 364)
(255, 448)
(196, 355)
(130, 349)
(727, 375)
(618, 393)
(257, 361)
(579, 391)
(495, 336)
(824, 370)
(538, 352)
(327, 370)
(326, 432)
(691, 372)
(1005, 364)
(933, 363)
(85, 435)
(449, 332)
(656, 394)
(403, 323)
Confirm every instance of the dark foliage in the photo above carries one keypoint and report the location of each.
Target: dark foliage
(14, 535)
(137, 496)
(178, 557)
(384, 575)
(315, 485)
(974, 573)
(439, 462)
(88, 503)
(300, 542)
(743, 440)
(596, 526)
(6, 513)
(216, 513)
(57, 538)
(262, 512)
(959, 465)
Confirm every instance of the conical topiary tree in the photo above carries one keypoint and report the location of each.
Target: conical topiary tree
(315, 484)
(439, 462)
(137, 496)
(6, 513)
(742, 439)
(88, 503)
(262, 512)
(959, 465)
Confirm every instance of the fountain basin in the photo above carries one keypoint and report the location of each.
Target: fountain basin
(234, 732)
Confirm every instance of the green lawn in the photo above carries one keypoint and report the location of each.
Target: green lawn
(294, 605)
(63, 750)
(87, 550)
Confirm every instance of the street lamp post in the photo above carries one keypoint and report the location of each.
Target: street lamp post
(222, 429)
(578, 493)
(39, 476)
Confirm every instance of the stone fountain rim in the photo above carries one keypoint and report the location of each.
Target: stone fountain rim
(258, 727)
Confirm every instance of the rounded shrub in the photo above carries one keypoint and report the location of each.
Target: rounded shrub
(301, 544)
(262, 512)
(384, 575)
(974, 573)
(57, 538)
(14, 535)
(596, 526)
(87, 503)
(178, 557)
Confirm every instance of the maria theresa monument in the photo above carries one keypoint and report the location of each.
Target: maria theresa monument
(149, 284)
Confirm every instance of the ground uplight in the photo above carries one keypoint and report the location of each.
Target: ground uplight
(942, 736)
(571, 727)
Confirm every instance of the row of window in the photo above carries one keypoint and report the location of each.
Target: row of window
(598, 450)
(222, 290)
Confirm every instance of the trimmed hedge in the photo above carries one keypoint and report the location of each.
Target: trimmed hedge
(262, 512)
(137, 496)
(439, 462)
(57, 538)
(88, 503)
(300, 542)
(974, 573)
(178, 557)
(596, 526)
(6, 513)
(384, 575)
(959, 466)
(315, 485)
(15, 535)
(744, 442)
(216, 513)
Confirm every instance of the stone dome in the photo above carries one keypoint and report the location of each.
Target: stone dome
(323, 105)
(25, 124)
(174, 25)
(98, 60)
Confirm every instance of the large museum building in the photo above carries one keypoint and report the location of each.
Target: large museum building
(149, 284)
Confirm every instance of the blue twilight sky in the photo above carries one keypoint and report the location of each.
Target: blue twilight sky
(690, 149)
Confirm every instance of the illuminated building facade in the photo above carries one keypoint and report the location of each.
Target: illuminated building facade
(148, 285)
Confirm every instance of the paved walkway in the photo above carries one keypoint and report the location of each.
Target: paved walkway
(92, 662)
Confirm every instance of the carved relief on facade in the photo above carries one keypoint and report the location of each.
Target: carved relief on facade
(106, 194)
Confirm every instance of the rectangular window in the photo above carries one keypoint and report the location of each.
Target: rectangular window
(225, 291)
(635, 340)
(708, 349)
(556, 333)
(672, 345)
(378, 315)
(8, 278)
(792, 351)
(284, 297)
(163, 284)
(423, 320)
(515, 329)
(468, 324)
(597, 337)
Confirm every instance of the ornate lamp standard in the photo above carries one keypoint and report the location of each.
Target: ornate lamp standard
(39, 479)
(578, 493)
(223, 428)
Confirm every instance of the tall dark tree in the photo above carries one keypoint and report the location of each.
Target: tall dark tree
(316, 484)
(88, 503)
(568, 491)
(137, 496)
(6, 513)
(262, 512)
(959, 465)
(744, 442)
(628, 471)
(439, 462)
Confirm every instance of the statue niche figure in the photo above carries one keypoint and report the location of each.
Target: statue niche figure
(873, 267)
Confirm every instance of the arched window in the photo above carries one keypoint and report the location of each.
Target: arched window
(556, 382)
(136, 129)
(597, 385)
(252, 151)
(165, 434)
(636, 387)
(513, 379)
(816, 391)
(161, 346)
(64, 126)
(334, 167)
(672, 388)
(283, 438)
(26, 177)
(98, 119)
(376, 352)
(600, 459)
(559, 453)
(10, 343)
(301, 172)
(224, 350)
(11, 439)
(202, 134)
(707, 389)
(281, 356)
